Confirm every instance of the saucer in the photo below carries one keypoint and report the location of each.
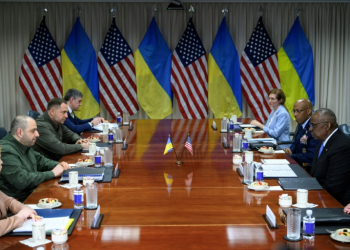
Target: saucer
(335, 237)
(309, 205)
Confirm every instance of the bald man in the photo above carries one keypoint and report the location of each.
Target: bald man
(23, 169)
(303, 148)
(331, 163)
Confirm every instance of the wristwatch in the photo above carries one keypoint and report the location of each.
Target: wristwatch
(91, 124)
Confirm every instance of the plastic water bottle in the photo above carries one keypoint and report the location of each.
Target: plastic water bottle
(119, 119)
(98, 159)
(308, 225)
(245, 144)
(78, 197)
(259, 173)
(110, 136)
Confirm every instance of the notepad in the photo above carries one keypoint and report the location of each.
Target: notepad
(271, 171)
(99, 126)
(275, 161)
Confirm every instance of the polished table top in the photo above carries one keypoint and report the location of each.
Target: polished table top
(156, 204)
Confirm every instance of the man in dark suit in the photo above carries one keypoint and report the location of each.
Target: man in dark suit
(331, 164)
(73, 97)
(303, 148)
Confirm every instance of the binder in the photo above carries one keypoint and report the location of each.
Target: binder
(96, 173)
(299, 183)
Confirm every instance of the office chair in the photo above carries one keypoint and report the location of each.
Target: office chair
(345, 129)
(33, 114)
(3, 132)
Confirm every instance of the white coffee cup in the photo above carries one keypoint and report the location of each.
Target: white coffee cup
(234, 118)
(105, 128)
(302, 197)
(248, 157)
(73, 177)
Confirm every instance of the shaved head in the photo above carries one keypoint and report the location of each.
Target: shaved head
(306, 104)
(21, 122)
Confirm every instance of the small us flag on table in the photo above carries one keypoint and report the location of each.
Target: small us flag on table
(117, 74)
(188, 145)
(41, 74)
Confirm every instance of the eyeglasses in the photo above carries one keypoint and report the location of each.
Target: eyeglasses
(297, 111)
(313, 125)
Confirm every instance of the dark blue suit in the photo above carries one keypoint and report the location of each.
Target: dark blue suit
(303, 140)
(76, 125)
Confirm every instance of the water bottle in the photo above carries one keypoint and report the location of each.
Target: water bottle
(110, 136)
(98, 159)
(119, 119)
(308, 225)
(78, 197)
(259, 173)
(245, 144)
(231, 125)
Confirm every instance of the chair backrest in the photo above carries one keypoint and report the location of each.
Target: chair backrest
(345, 129)
(3, 132)
(33, 114)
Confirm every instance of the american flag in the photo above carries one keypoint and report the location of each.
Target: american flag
(259, 71)
(188, 145)
(117, 74)
(41, 75)
(189, 77)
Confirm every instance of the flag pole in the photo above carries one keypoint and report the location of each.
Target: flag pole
(178, 162)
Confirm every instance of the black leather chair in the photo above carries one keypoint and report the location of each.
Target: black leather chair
(3, 132)
(33, 114)
(345, 129)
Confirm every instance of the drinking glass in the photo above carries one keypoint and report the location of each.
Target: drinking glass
(63, 246)
(108, 157)
(293, 223)
(105, 128)
(126, 118)
(91, 195)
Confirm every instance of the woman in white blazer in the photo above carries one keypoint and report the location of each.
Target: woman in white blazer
(277, 125)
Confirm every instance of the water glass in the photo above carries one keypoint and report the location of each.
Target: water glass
(92, 148)
(73, 178)
(234, 119)
(224, 125)
(91, 196)
(108, 157)
(119, 136)
(105, 128)
(293, 223)
(248, 134)
(38, 231)
(126, 118)
(248, 169)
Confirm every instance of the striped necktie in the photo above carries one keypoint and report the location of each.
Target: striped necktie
(321, 149)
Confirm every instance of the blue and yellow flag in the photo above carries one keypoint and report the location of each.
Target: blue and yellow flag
(168, 146)
(296, 67)
(79, 70)
(224, 79)
(153, 69)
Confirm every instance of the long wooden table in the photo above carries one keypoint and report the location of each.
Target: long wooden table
(201, 204)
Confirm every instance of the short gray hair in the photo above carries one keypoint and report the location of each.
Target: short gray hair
(21, 122)
(72, 93)
(328, 115)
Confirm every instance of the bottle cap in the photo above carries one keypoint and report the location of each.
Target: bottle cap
(309, 212)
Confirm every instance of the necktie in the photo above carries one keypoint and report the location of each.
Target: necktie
(319, 152)
(72, 114)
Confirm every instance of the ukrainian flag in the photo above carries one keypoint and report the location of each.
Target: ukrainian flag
(296, 67)
(168, 146)
(79, 70)
(224, 80)
(153, 69)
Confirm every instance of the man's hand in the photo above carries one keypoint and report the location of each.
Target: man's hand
(26, 212)
(81, 141)
(288, 151)
(347, 209)
(65, 165)
(96, 121)
(58, 170)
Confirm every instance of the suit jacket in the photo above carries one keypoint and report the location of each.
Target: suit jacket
(8, 224)
(303, 142)
(279, 128)
(76, 125)
(332, 168)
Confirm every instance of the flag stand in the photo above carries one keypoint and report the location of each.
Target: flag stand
(178, 162)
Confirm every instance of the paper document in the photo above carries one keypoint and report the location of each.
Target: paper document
(278, 171)
(275, 161)
(50, 224)
(247, 126)
(99, 126)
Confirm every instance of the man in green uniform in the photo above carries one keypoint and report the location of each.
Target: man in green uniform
(55, 139)
(23, 169)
